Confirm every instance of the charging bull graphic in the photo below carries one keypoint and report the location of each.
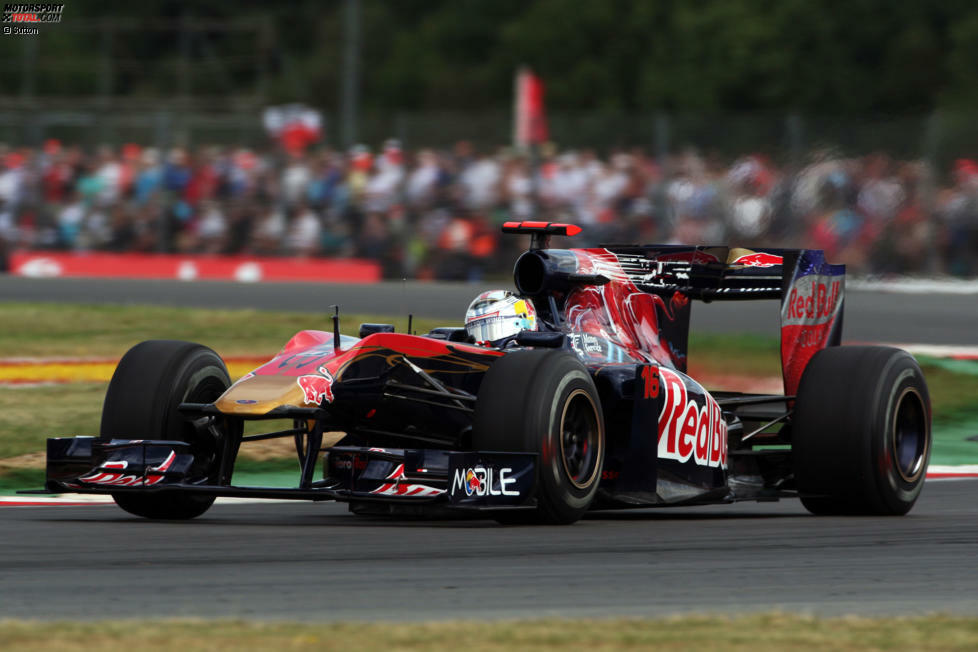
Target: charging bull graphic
(759, 259)
(317, 388)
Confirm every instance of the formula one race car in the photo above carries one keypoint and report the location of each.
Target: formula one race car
(570, 394)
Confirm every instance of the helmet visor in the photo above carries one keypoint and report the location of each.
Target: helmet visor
(494, 327)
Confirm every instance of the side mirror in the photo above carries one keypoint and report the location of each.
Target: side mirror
(370, 329)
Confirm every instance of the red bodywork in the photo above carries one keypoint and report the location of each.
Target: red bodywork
(308, 351)
(621, 312)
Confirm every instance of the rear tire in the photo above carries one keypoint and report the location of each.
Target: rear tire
(151, 381)
(544, 401)
(861, 431)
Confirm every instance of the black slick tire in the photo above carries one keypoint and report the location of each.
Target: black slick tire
(151, 380)
(861, 431)
(544, 401)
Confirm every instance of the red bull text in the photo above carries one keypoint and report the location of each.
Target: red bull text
(688, 431)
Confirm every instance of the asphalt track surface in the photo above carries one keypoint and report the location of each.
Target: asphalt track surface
(315, 562)
(870, 316)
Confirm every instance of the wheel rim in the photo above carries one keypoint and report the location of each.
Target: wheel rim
(909, 440)
(580, 439)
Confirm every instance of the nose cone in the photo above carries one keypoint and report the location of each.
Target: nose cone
(258, 395)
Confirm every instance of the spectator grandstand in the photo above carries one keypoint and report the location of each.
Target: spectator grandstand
(434, 213)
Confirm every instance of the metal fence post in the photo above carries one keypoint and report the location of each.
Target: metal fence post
(350, 76)
(928, 186)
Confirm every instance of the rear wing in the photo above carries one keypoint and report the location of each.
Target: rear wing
(706, 273)
(811, 290)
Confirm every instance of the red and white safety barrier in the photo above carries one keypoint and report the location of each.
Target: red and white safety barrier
(246, 269)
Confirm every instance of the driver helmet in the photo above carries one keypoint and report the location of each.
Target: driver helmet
(498, 314)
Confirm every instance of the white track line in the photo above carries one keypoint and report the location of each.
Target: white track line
(938, 472)
(942, 351)
(79, 500)
(915, 285)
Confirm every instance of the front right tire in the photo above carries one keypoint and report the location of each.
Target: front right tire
(544, 401)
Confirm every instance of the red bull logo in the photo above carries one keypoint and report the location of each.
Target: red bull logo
(472, 483)
(759, 259)
(317, 389)
(812, 300)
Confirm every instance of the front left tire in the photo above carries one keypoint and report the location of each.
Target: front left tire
(151, 381)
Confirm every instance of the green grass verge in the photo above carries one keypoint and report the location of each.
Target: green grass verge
(756, 633)
(953, 396)
(12, 480)
(51, 330)
(738, 353)
(29, 415)
(953, 386)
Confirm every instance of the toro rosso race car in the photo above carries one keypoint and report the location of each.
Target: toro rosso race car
(568, 395)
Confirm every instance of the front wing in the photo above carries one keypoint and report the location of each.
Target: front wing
(481, 480)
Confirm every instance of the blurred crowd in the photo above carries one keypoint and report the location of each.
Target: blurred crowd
(430, 213)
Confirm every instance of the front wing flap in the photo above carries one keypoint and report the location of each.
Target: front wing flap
(476, 479)
(77, 463)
